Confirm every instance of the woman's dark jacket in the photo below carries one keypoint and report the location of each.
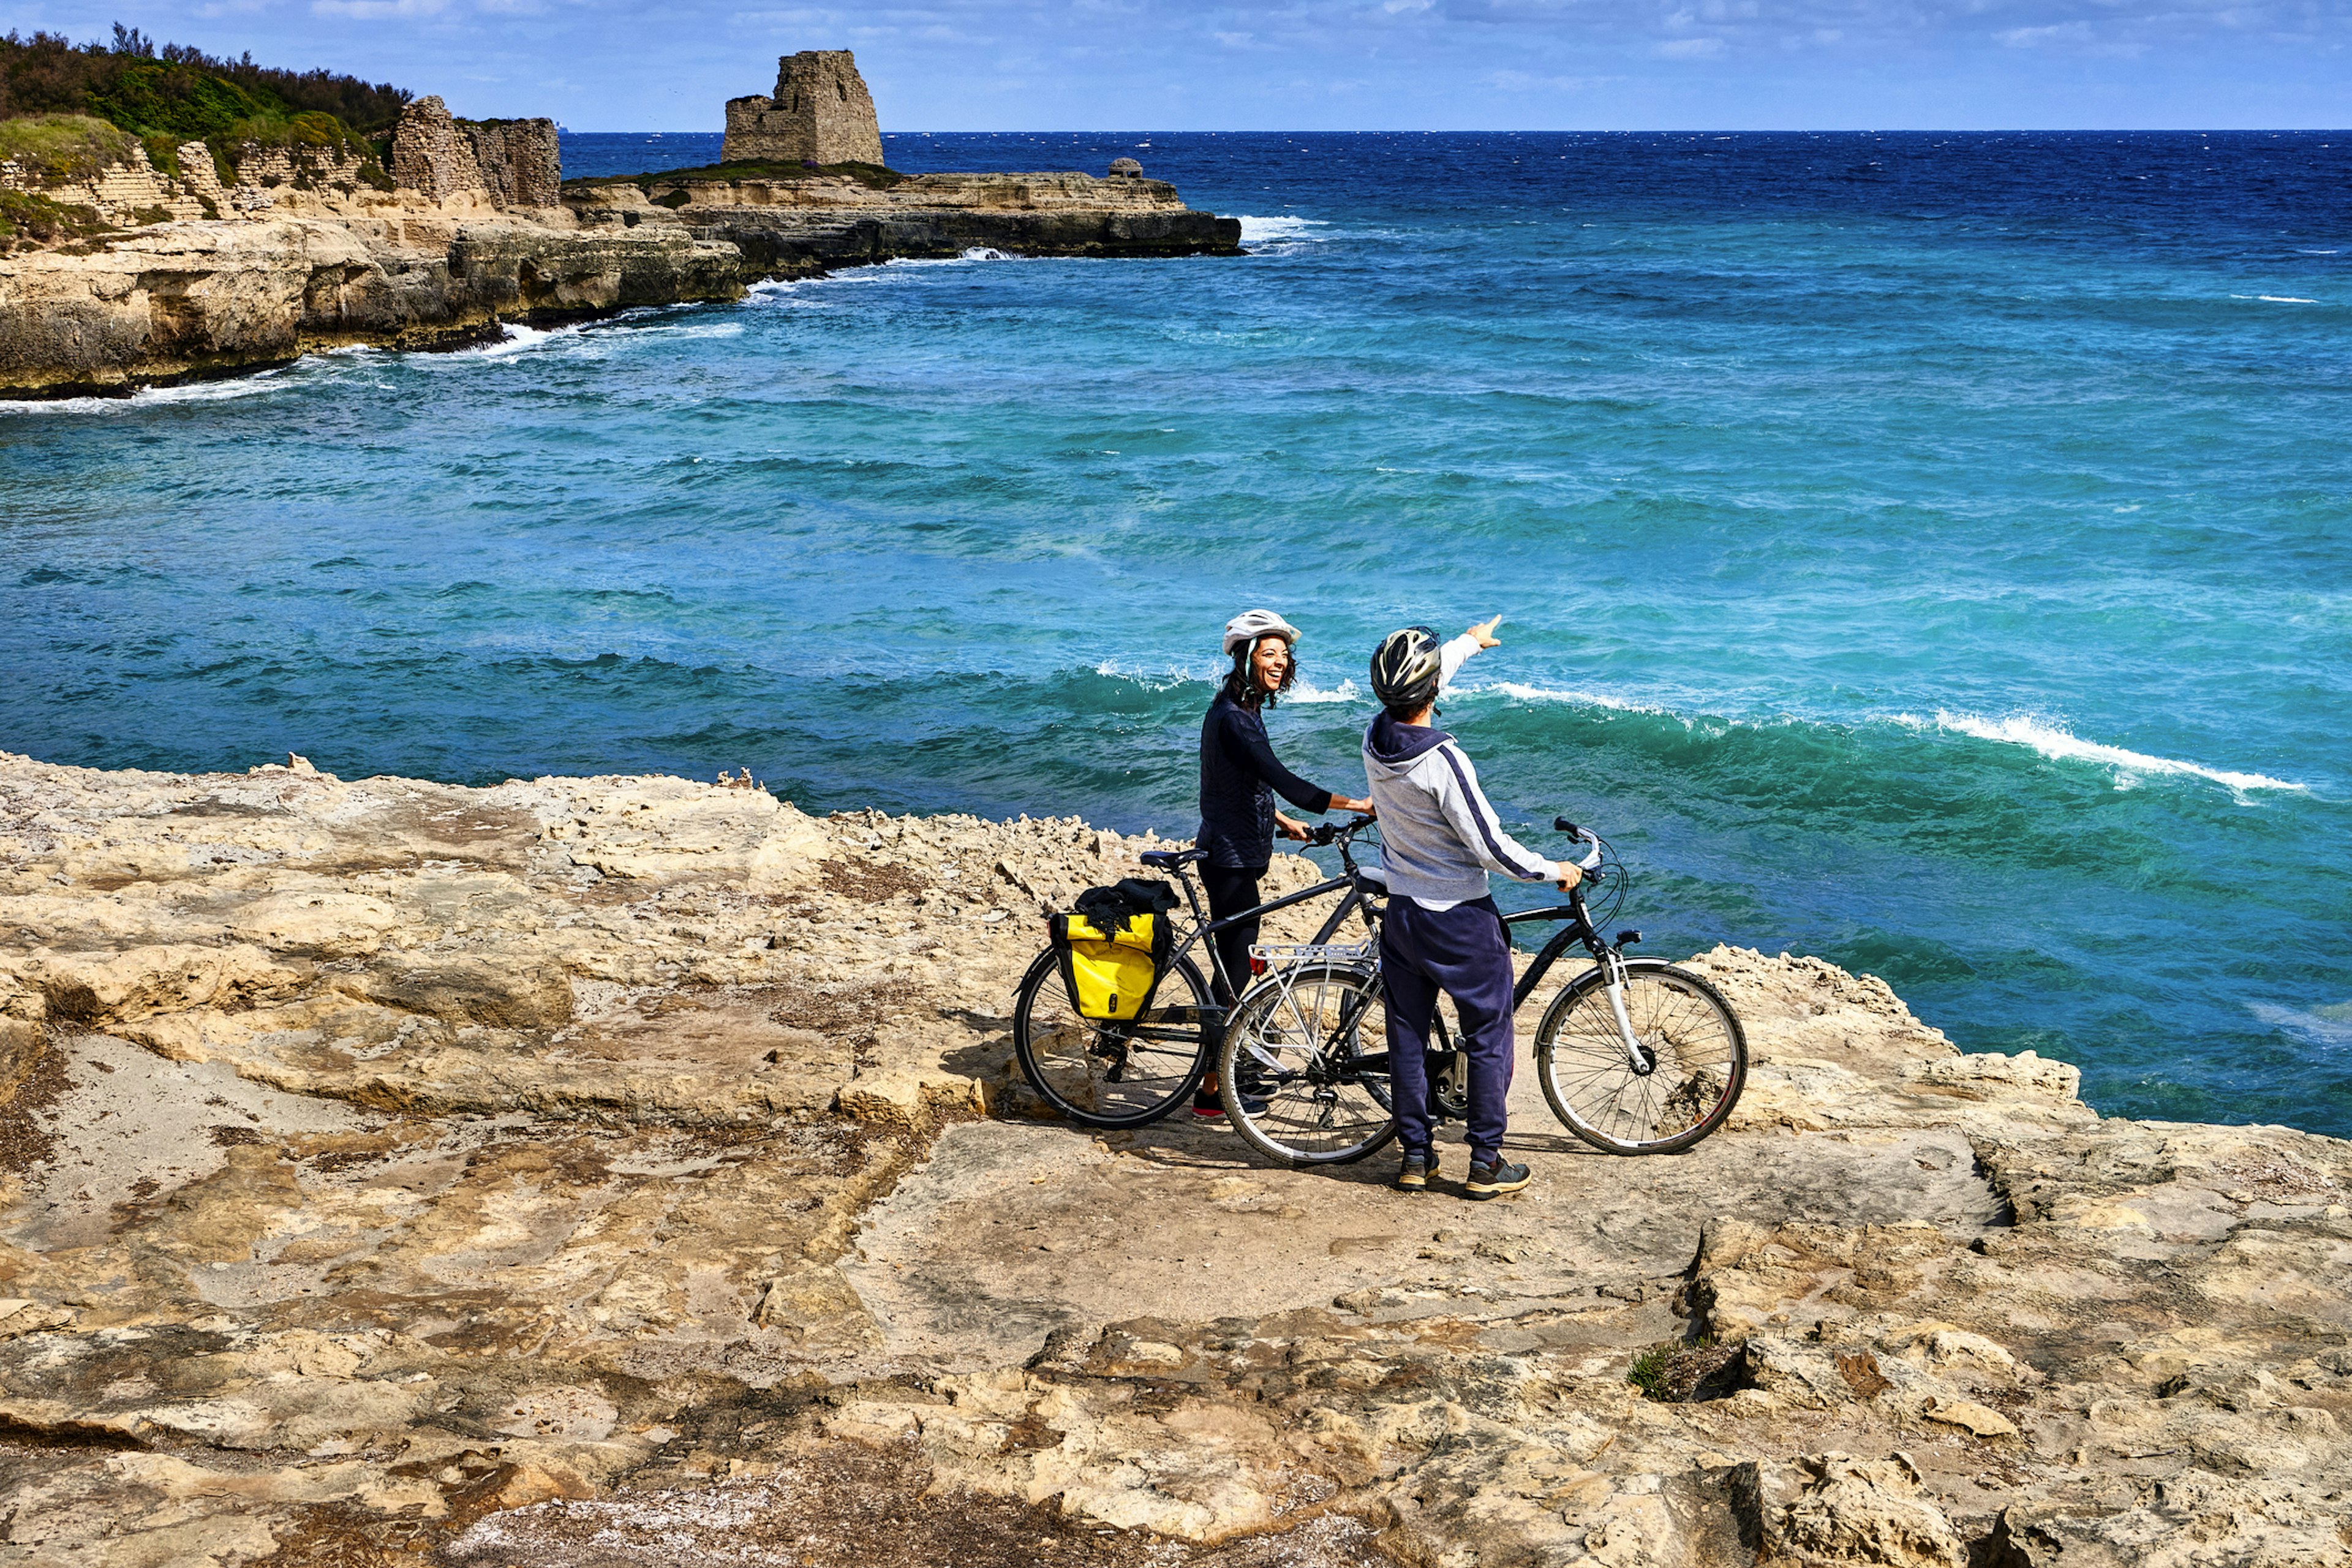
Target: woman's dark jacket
(1239, 776)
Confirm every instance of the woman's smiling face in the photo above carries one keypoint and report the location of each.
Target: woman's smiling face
(1269, 662)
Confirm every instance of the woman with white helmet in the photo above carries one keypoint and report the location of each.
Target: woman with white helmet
(1240, 776)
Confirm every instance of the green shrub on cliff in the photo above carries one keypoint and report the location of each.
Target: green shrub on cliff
(178, 95)
(177, 88)
(27, 217)
(57, 148)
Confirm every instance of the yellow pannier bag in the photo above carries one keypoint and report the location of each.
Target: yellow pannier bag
(1110, 974)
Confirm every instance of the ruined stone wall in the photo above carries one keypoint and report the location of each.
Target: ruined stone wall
(521, 159)
(123, 194)
(821, 113)
(516, 163)
(135, 192)
(430, 155)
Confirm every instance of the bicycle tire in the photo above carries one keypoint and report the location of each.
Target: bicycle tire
(1701, 1059)
(1279, 1039)
(1078, 1066)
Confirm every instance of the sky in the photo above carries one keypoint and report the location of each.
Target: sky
(1323, 65)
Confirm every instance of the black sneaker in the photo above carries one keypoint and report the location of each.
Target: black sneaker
(1415, 1173)
(1494, 1179)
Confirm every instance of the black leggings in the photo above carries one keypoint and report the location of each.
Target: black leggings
(1233, 889)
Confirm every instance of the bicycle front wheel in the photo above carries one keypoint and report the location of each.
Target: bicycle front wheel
(1108, 1074)
(1678, 1084)
(1305, 1067)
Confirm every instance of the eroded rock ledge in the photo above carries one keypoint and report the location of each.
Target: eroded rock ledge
(626, 1170)
(323, 261)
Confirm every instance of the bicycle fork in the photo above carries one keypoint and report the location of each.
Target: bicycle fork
(1637, 1056)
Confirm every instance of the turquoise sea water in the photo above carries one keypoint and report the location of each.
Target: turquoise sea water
(1928, 551)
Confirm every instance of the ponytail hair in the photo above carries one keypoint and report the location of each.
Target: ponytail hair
(1241, 682)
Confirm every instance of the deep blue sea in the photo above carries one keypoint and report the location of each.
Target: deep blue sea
(1932, 552)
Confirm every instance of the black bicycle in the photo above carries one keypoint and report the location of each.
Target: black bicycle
(1635, 1055)
(1132, 1072)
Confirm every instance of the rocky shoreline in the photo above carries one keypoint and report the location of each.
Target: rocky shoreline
(471, 228)
(629, 1169)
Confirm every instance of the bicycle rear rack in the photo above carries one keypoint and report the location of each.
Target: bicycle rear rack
(1291, 955)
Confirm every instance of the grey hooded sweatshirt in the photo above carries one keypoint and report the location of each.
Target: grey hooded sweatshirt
(1439, 837)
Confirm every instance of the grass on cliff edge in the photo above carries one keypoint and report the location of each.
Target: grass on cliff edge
(873, 176)
(27, 217)
(56, 148)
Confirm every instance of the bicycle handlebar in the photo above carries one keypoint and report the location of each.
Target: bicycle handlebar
(1590, 841)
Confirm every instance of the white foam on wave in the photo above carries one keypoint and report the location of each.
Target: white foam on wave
(986, 253)
(1522, 691)
(1166, 679)
(2277, 298)
(2061, 744)
(518, 339)
(146, 397)
(1344, 692)
(2328, 1027)
(1280, 226)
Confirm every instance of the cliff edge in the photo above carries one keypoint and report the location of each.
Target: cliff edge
(118, 272)
(629, 1169)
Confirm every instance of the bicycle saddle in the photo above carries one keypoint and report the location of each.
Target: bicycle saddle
(1173, 859)
(1377, 875)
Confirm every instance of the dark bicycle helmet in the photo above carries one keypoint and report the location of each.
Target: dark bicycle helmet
(1405, 668)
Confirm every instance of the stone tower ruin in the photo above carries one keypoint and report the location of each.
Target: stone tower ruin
(821, 113)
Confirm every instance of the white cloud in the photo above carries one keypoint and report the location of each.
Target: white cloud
(378, 10)
(2037, 37)
(1691, 49)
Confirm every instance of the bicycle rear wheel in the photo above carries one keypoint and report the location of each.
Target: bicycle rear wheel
(1308, 1048)
(1691, 1040)
(1113, 1074)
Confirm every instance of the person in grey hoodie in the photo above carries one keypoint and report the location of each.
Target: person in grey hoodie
(1439, 840)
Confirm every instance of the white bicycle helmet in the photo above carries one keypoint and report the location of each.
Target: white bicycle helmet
(1245, 629)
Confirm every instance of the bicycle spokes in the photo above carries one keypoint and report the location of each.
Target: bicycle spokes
(1316, 1097)
(1653, 1060)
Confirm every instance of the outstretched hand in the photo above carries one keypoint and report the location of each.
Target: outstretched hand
(1484, 632)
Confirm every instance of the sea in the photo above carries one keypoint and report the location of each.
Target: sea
(1932, 552)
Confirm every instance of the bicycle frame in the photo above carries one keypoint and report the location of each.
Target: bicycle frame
(1203, 927)
(1611, 960)
(1577, 927)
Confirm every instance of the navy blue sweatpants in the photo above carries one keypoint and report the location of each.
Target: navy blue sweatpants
(1462, 953)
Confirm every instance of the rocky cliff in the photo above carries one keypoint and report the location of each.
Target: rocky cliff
(303, 251)
(191, 300)
(627, 1170)
(788, 222)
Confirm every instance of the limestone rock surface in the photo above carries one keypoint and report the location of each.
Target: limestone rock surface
(191, 299)
(630, 1170)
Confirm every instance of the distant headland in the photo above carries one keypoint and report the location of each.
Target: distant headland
(171, 217)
